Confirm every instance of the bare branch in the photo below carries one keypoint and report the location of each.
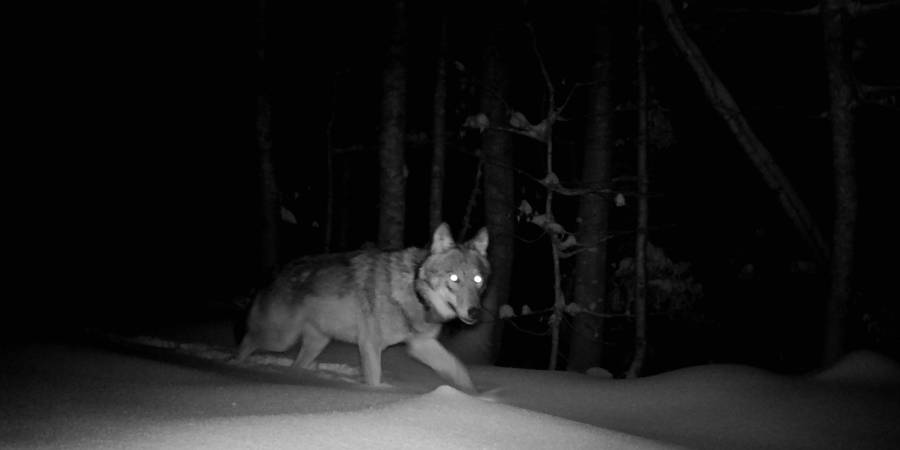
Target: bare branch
(540, 59)
(571, 92)
(721, 100)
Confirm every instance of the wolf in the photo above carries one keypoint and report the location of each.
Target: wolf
(374, 299)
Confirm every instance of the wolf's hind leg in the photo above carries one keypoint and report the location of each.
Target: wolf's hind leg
(434, 355)
(246, 348)
(313, 344)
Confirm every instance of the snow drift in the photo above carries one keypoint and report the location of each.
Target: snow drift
(156, 393)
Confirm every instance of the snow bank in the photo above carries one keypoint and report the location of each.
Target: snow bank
(162, 394)
(442, 419)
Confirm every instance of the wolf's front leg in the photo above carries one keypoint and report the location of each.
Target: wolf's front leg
(434, 355)
(370, 347)
(370, 356)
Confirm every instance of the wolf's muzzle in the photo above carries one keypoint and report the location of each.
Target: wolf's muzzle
(472, 316)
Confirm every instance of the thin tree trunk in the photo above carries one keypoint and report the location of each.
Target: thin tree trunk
(481, 340)
(392, 162)
(550, 225)
(835, 14)
(722, 101)
(474, 194)
(345, 217)
(559, 302)
(439, 132)
(270, 199)
(329, 167)
(640, 246)
(586, 343)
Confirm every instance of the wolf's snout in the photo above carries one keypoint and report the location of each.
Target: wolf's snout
(472, 316)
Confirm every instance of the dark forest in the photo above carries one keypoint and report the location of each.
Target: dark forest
(145, 162)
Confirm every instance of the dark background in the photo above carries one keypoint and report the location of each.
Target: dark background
(139, 177)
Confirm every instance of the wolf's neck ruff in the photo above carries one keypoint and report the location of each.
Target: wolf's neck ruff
(403, 265)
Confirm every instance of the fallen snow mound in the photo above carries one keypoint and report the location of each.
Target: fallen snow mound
(863, 367)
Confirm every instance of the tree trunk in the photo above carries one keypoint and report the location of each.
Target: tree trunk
(640, 246)
(344, 215)
(270, 199)
(392, 163)
(329, 167)
(835, 14)
(439, 132)
(499, 193)
(586, 343)
(722, 101)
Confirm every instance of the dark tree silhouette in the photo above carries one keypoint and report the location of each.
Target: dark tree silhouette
(439, 133)
(585, 348)
(498, 202)
(392, 161)
(835, 16)
(270, 199)
(640, 247)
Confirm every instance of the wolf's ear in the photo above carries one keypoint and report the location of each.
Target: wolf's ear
(480, 242)
(442, 240)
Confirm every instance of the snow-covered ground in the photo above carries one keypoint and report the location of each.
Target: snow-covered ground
(166, 391)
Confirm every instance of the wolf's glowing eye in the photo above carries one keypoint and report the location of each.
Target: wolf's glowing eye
(454, 278)
(478, 279)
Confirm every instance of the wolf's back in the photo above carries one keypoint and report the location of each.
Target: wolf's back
(333, 293)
